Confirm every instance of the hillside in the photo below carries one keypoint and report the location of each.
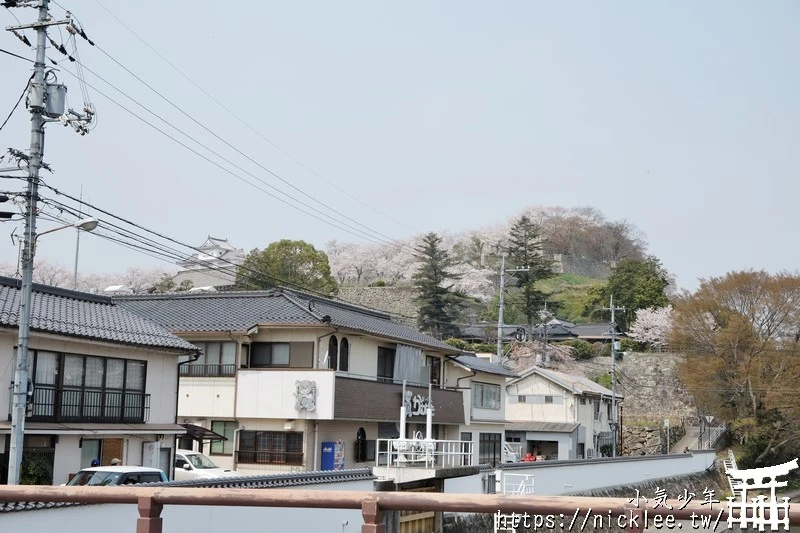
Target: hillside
(581, 243)
(569, 294)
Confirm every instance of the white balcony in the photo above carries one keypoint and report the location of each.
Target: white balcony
(287, 394)
(405, 460)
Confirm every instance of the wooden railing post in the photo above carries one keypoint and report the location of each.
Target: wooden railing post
(150, 520)
(374, 518)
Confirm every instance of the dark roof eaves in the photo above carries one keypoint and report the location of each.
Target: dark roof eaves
(15, 283)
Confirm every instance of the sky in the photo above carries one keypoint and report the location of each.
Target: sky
(406, 117)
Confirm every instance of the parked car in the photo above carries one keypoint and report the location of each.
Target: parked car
(117, 475)
(194, 465)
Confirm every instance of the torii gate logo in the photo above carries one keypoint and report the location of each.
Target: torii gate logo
(752, 512)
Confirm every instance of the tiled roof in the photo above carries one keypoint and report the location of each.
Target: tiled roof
(601, 330)
(550, 427)
(295, 479)
(240, 311)
(83, 315)
(576, 384)
(478, 364)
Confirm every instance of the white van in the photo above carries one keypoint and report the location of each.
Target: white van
(194, 465)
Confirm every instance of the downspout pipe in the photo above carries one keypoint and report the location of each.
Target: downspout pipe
(195, 355)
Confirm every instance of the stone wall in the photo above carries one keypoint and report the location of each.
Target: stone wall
(650, 384)
(396, 300)
(644, 440)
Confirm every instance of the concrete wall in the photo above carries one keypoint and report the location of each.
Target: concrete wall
(466, 484)
(195, 519)
(272, 394)
(557, 478)
(206, 397)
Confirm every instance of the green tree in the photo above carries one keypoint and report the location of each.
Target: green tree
(167, 284)
(525, 250)
(439, 304)
(296, 264)
(635, 285)
(740, 334)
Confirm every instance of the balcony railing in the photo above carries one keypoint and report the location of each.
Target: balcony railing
(84, 405)
(270, 458)
(374, 505)
(207, 371)
(424, 453)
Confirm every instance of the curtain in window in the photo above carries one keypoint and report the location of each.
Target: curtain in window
(408, 364)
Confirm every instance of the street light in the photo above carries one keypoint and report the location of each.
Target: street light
(20, 391)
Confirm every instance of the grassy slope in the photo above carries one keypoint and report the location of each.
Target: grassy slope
(569, 290)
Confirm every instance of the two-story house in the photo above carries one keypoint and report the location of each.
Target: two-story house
(103, 383)
(559, 416)
(300, 382)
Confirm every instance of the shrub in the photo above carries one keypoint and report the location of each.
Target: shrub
(457, 343)
(630, 345)
(35, 470)
(602, 349)
(378, 283)
(580, 349)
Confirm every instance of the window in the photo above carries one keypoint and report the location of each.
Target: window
(583, 401)
(333, 352)
(435, 366)
(489, 448)
(271, 448)
(385, 364)
(548, 399)
(226, 429)
(216, 359)
(269, 354)
(485, 395)
(81, 388)
(344, 355)
(338, 354)
(281, 355)
(522, 399)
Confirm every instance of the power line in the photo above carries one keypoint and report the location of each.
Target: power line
(25, 90)
(237, 150)
(209, 160)
(80, 67)
(166, 253)
(246, 124)
(17, 56)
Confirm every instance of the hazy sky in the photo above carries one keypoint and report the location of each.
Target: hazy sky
(681, 117)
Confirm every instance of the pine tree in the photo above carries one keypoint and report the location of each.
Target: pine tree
(439, 304)
(525, 250)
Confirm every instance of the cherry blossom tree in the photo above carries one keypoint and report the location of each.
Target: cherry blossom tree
(652, 325)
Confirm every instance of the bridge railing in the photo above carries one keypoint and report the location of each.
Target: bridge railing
(373, 505)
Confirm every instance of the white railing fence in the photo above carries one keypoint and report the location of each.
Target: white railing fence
(516, 484)
(423, 453)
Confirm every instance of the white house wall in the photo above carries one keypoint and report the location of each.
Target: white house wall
(535, 388)
(162, 368)
(212, 397)
(272, 394)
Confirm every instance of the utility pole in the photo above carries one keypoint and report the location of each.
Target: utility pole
(543, 315)
(77, 244)
(613, 422)
(499, 356)
(44, 100)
